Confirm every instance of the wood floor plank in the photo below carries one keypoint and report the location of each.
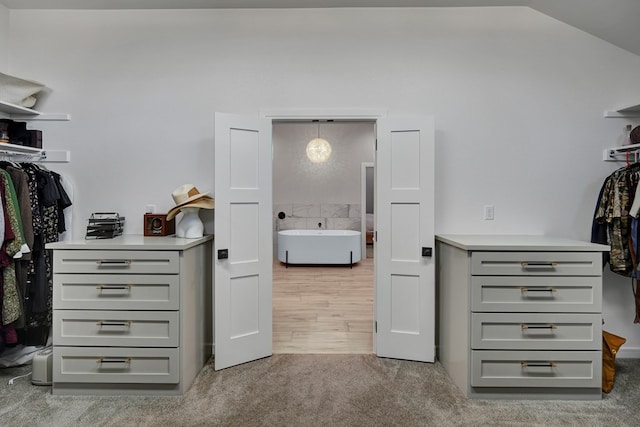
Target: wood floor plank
(329, 342)
(323, 309)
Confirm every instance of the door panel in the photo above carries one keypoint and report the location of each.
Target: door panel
(244, 159)
(405, 222)
(242, 297)
(244, 302)
(244, 232)
(405, 310)
(405, 160)
(405, 277)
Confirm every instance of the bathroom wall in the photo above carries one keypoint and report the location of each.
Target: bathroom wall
(326, 216)
(517, 98)
(320, 195)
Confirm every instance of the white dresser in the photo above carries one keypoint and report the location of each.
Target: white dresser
(520, 317)
(131, 315)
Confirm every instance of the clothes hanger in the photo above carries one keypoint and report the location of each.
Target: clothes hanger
(7, 159)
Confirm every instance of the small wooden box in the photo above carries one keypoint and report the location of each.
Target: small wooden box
(157, 225)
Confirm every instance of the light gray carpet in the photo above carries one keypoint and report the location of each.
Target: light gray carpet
(317, 390)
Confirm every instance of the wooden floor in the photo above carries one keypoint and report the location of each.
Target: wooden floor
(323, 309)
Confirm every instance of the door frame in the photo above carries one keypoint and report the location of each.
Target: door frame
(343, 114)
(363, 203)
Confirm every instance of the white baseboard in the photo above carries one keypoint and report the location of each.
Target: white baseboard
(629, 352)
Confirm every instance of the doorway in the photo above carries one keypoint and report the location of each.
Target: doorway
(404, 266)
(322, 308)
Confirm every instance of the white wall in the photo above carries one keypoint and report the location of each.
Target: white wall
(517, 99)
(4, 37)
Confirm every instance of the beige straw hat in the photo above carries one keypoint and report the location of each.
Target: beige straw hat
(188, 196)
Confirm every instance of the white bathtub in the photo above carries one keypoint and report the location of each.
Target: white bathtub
(319, 246)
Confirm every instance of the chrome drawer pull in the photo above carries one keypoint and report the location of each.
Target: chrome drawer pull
(114, 262)
(525, 364)
(125, 360)
(113, 287)
(549, 289)
(126, 324)
(526, 326)
(541, 264)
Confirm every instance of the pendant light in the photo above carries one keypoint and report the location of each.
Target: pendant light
(318, 149)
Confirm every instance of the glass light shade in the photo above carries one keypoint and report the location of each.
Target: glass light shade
(318, 150)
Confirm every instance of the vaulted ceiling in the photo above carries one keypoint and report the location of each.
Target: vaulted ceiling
(615, 21)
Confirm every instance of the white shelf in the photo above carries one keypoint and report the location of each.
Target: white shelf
(19, 152)
(18, 149)
(16, 112)
(624, 112)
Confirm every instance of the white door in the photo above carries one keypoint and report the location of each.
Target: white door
(405, 262)
(243, 250)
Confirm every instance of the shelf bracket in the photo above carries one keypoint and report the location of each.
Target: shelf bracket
(56, 156)
(621, 114)
(42, 117)
(627, 112)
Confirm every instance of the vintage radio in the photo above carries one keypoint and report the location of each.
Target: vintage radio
(158, 225)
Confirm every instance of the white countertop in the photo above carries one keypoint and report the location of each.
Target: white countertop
(133, 242)
(513, 242)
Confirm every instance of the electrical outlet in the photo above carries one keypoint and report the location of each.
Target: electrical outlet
(488, 212)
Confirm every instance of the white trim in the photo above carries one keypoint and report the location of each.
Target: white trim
(323, 113)
(628, 353)
(356, 114)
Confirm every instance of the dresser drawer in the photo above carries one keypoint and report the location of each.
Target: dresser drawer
(536, 331)
(115, 328)
(115, 262)
(536, 263)
(115, 365)
(116, 291)
(536, 369)
(537, 294)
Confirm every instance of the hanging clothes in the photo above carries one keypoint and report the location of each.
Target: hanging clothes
(31, 215)
(11, 307)
(614, 225)
(612, 222)
(44, 195)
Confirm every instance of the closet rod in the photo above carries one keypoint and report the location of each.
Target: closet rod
(619, 154)
(44, 156)
(11, 155)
